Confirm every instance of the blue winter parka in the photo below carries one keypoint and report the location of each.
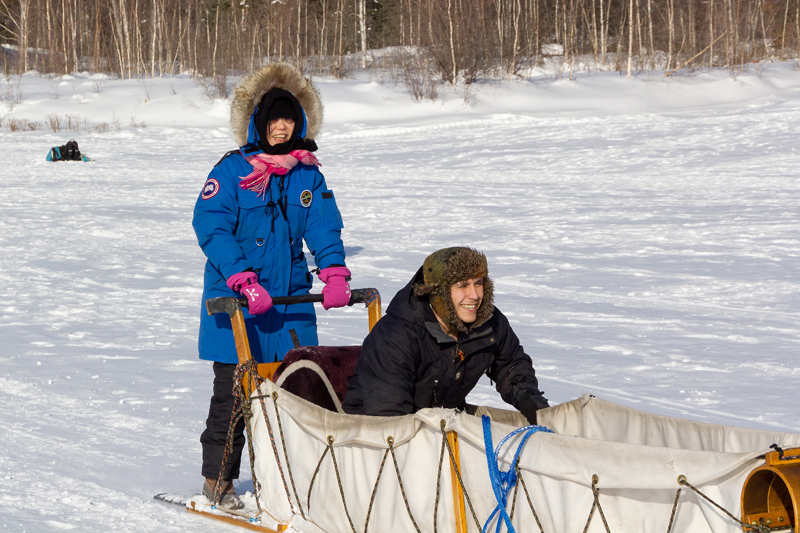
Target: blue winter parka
(239, 231)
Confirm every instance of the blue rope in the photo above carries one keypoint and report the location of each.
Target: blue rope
(503, 482)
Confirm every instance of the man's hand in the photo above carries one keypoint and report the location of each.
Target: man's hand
(527, 406)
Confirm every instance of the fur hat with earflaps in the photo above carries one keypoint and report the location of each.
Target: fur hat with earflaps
(252, 90)
(446, 267)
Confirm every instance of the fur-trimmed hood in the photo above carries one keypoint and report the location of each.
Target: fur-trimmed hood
(249, 93)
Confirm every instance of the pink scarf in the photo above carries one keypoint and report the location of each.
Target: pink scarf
(265, 165)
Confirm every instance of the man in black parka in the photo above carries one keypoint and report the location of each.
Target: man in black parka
(440, 334)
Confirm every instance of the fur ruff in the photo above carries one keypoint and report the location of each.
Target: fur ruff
(464, 264)
(249, 93)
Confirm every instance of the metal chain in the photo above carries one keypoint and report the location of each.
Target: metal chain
(236, 415)
(390, 441)
(530, 503)
(458, 474)
(375, 489)
(314, 477)
(339, 480)
(286, 455)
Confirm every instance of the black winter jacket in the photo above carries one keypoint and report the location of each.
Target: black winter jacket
(408, 363)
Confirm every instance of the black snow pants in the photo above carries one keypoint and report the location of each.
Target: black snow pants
(215, 436)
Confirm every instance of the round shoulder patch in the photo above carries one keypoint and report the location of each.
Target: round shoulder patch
(305, 198)
(210, 189)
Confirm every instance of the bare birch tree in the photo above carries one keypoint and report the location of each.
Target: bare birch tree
(18, 27)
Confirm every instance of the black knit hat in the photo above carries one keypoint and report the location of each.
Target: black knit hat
(282, 108)
(278, 103)
(444, 268)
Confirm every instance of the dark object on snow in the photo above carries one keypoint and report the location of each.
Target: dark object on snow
(66, 152)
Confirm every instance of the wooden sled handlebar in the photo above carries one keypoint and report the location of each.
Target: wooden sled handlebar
(232, 306)
(371, 298)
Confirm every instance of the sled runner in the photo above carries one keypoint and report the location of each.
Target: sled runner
(594, 467)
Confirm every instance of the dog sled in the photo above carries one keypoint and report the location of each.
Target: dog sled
(591, 466)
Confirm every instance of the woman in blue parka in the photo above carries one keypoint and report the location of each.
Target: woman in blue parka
(258, 206)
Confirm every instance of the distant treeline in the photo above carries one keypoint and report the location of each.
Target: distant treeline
(451, 40)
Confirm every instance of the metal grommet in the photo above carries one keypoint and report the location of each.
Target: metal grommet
(274, 395)
(595, 479)
(681, 480)
(390, 440)
(442, 423)
(330, 439)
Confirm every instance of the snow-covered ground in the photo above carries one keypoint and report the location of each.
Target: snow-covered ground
(643, 235)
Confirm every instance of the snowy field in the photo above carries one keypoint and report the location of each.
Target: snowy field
(643, 235)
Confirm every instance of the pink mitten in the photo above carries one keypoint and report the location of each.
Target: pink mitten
(246, 283)
(336, 292)
(259, 299)
(242, 279)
